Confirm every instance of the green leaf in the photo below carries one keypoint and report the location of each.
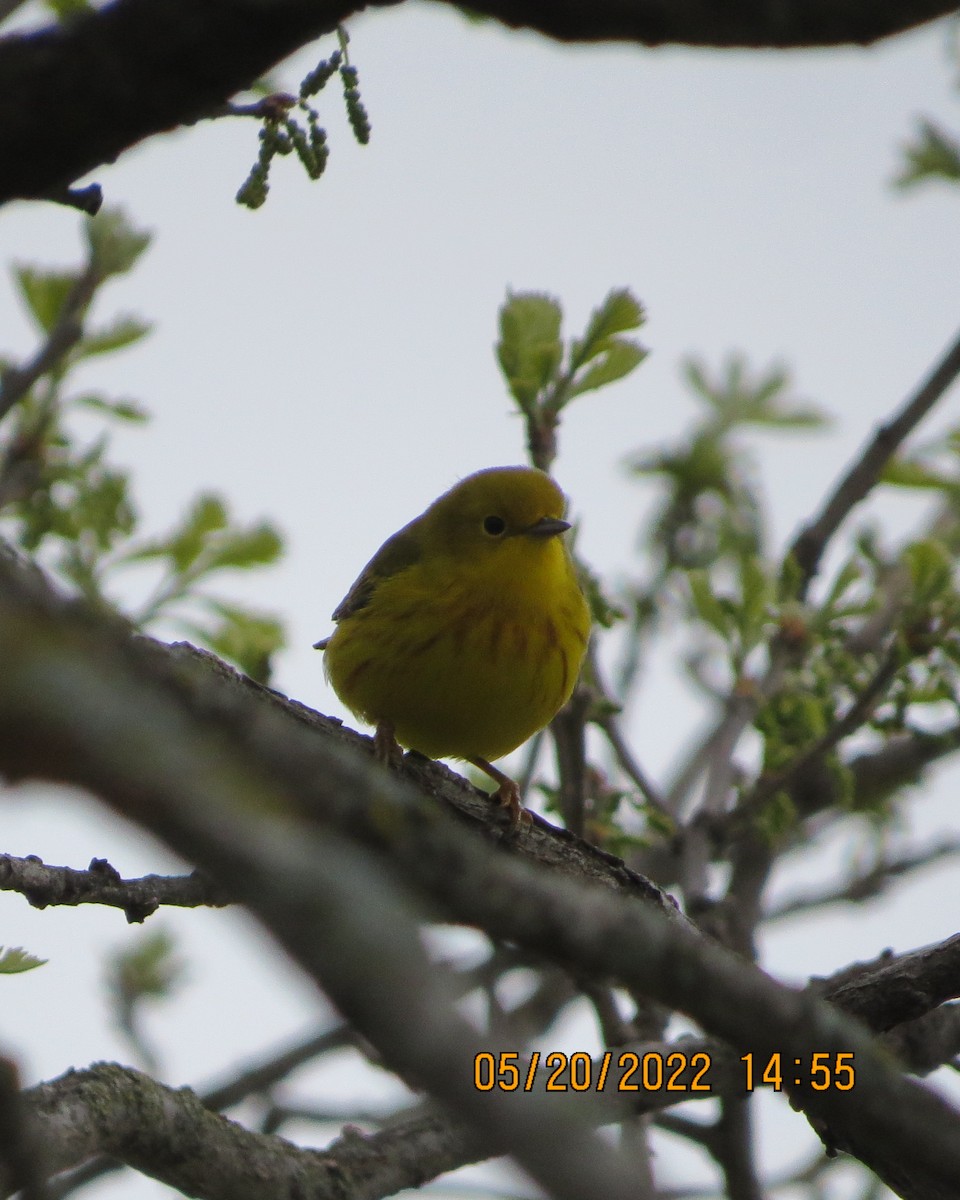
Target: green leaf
(185, 545)
(102, 506)
(113, 242)
(709, 607)
(909, 473)
(849, 574)
(618, 313)
(244, 548)
(64, 9)
(934, 154)
(756, 594)
(529, 350)
(16, 960)
(618, 360)
(208, 514)
(123, 332)
(739, 399)
(249, 639)
(45, 293)
(123, 410)
(151, 967)
(930, 567)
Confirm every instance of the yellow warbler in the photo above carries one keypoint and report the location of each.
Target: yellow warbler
(464, 633)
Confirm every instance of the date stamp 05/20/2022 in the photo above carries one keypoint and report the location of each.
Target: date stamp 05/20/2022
(655, 1071)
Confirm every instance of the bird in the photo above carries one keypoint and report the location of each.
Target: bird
(464, 634)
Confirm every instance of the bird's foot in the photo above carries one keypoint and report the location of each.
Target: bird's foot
(386, 748)
(507, 794)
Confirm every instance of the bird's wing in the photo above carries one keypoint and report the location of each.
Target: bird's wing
(396, 554)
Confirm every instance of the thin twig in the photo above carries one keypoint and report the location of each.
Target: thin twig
(865, 885)
(272, 1068)
(858, 712)
(268, 108)
(569, 738)
(16, 382)
(45, 886)
(614, 1029)
(610, 729)
(278, 1115)
(531, 755)
(733, 1149)
(87, 199)
(860, 479)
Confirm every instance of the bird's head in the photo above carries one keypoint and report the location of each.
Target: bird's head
(502, 506)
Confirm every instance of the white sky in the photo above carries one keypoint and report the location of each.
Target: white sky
(327, 361)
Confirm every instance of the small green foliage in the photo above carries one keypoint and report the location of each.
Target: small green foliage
(741, 622)
(930, 568)
(931, 468)
(246, 638)
(713, 610)
(62, 499)
(777, 818)
(113, 244)
(64, 10)
(201, 546)
(543, 376)
(123, 332)
(16, 960)
(45, 293)
(122, 410)
(603, 611)
(150, 969)
(933, 154)
(737, 399)
(530, 350)
(531, 353)
(291, 124)
(612, 357)
(712, 509)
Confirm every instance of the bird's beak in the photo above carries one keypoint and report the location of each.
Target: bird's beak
(547, 527)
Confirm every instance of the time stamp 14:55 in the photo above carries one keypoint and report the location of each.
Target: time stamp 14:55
(654, 1071)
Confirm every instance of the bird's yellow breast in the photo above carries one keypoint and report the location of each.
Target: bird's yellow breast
(467, 658)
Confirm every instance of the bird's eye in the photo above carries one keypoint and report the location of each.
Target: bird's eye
(494, 526)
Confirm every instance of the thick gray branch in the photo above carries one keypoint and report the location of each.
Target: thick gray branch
(76, 97)
(79, 700)
(168, 1134)
(101, 883)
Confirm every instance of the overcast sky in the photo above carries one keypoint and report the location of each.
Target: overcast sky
(327, 362)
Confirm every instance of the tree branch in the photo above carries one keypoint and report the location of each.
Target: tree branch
(168, 1134)
(255, 1079)
(861, 478)
(100, 883)
(81, 701)
(892, 991)
(75, 97)
(866, 884)
(714, 23)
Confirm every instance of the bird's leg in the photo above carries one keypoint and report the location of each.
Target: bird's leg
(507, 794)
(385, 745)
